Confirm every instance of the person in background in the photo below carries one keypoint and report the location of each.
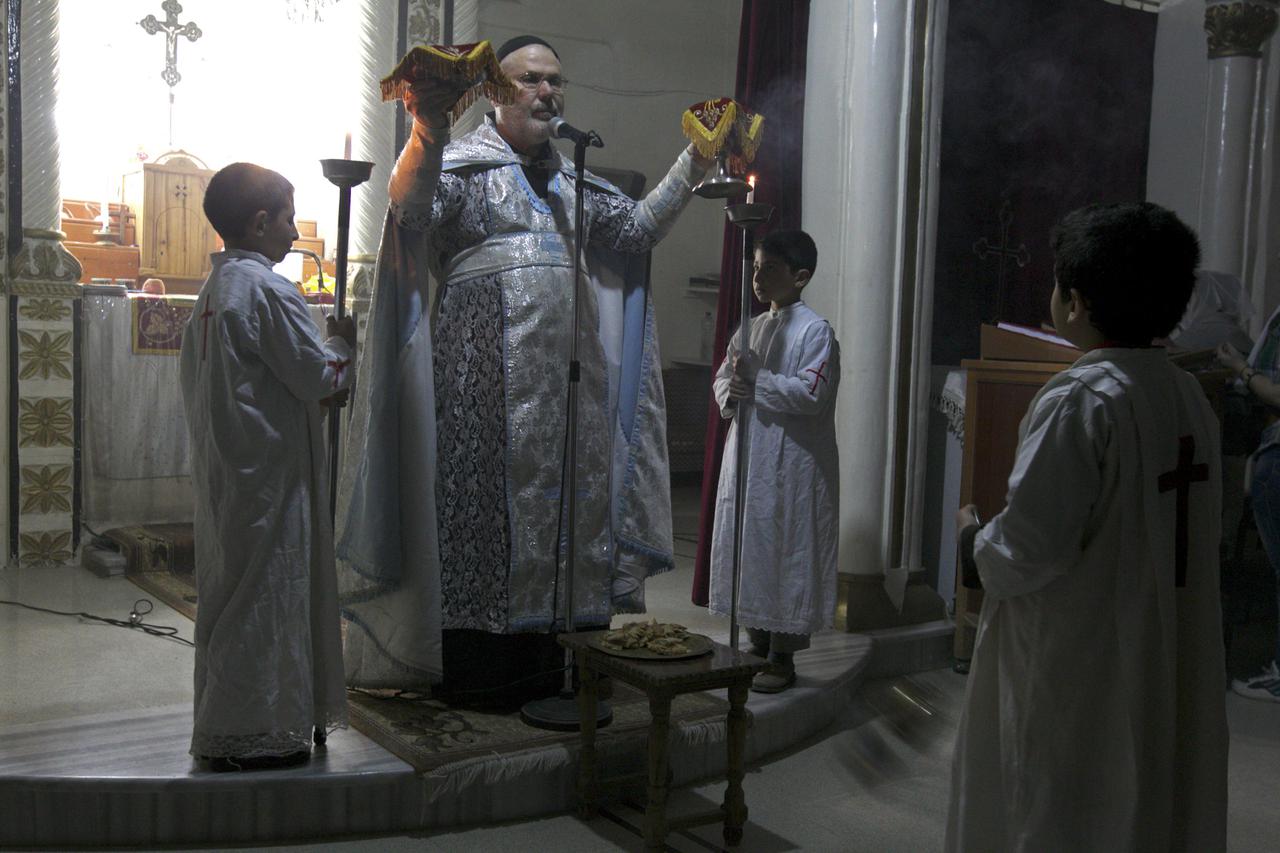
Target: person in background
(1259, 378)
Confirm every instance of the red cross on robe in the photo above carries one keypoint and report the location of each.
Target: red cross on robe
(204, 340)
(817, 374)
(1180, 479)
(338, 365)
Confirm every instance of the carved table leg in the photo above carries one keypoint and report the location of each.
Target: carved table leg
(655, 813)
(735, 802)
(588, 688)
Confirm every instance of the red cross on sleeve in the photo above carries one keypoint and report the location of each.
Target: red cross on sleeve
(339, 366)
(817, 375)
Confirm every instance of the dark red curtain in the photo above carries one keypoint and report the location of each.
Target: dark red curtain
(772, 42)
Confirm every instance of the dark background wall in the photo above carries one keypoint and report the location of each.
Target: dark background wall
(1046, 107)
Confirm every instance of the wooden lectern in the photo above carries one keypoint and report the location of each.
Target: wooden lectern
(174, 236)
(1015, 363)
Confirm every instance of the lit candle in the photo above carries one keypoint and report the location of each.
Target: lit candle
(105, 216)
(751, 194)
(346, 147)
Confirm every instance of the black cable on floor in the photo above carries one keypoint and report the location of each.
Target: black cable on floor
(141, 608)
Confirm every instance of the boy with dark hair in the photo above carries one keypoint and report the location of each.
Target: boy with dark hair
(783, 398)
(254, 371)
(1094, 718)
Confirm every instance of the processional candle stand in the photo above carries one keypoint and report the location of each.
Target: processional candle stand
(344, 174)
(561, 712)
(748, 216)
(731, 132)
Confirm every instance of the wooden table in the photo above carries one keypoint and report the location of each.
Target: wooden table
(661, 681)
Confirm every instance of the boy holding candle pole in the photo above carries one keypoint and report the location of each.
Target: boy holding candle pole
(254, 373)
(784, 394)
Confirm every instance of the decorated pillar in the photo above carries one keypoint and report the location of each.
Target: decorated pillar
(1236, 34)
(381, 48)
(375, 141)
(41, 185)
(6, 464)
(868, 204)
(42, 301)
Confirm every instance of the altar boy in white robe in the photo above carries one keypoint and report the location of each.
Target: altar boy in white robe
(1094, 717)
(254, 370)
(785, 393)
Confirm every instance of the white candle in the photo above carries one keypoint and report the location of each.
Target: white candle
(751, 194)
(346, 147)
(105, 216)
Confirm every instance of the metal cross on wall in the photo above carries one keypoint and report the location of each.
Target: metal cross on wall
(1003, 251)
(172, 29)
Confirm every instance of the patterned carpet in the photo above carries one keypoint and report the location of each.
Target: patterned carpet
(161, 561)
(424, 732)
(430, 735)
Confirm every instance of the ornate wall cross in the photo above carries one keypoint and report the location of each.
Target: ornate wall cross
(172, 29)
(1003, 251)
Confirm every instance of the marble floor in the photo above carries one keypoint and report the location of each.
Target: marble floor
(876, 780)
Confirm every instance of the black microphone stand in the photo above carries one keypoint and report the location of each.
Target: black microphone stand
(560, 712)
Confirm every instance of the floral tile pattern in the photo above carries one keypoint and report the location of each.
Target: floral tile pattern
(45, 548)
(44, 356)
(46, 310)
(46, 488)
(45, 422)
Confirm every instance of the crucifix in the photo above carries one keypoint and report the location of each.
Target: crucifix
(1180, 479)
(172, 29)
(1003, 252)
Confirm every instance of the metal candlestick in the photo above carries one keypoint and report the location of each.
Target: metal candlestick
(722, 184)
(747, 216)
(344, 174)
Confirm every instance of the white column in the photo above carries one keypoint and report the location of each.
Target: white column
(466, 29)
(376, 141)
(5, 125)
(376, 137)
(861, 207)
(1236, 34)
(41, 186)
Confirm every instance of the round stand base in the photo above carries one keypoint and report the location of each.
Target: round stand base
(560, 713)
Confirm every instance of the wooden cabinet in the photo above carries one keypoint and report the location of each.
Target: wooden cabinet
(174, 237)
(999, 388)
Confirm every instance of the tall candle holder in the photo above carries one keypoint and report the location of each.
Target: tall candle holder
(344, 174)
(748, 216)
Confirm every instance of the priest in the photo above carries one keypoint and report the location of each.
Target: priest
(453, 522)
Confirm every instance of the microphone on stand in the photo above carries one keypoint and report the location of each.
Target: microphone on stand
(319, 267)
(561, 129)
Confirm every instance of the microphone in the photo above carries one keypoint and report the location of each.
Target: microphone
(561, 129)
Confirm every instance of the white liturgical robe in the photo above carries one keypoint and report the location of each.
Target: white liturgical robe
(791, 512)
(268, 661)
(1095, 717)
